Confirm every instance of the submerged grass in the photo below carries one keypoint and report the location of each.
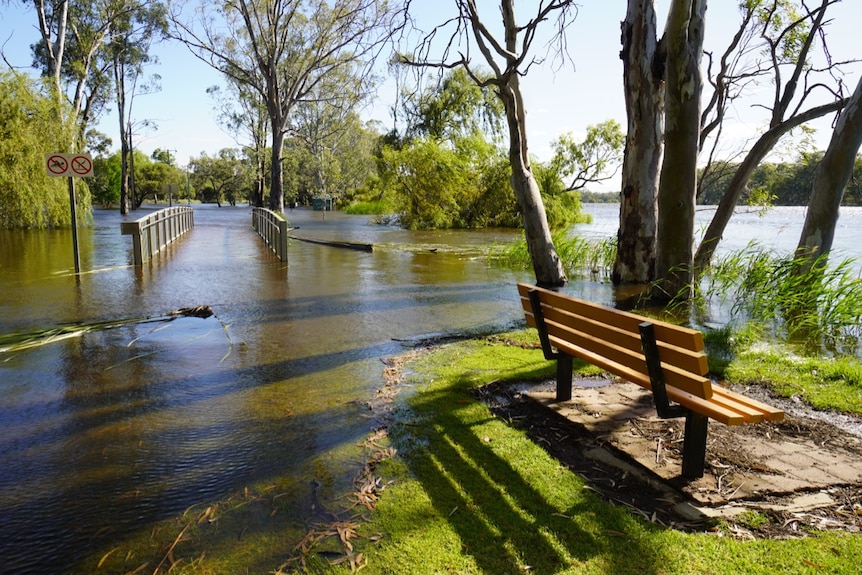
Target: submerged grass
(821, 307)
(20, 341)
(580, 257)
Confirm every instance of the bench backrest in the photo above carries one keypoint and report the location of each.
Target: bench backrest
(611, 339)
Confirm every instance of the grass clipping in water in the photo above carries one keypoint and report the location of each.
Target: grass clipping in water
(10, 343)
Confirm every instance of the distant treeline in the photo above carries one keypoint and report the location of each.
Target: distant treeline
(783, 184)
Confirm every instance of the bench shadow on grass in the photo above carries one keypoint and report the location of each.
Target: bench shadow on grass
(504, 521)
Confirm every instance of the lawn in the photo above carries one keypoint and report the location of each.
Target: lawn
(470, 493)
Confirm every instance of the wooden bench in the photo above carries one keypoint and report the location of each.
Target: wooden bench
(667, 359)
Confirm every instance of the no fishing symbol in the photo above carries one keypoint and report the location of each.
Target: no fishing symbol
(80, 165)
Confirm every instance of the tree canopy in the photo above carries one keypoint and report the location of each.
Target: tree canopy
(29, 130)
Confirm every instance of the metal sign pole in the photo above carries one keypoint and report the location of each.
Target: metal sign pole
(71, 165)
(74, 225)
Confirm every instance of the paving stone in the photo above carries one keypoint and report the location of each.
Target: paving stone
(780, 465)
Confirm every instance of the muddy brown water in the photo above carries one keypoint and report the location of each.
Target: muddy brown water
(116, 429)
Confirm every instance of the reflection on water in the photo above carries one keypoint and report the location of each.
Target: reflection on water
(104, 434)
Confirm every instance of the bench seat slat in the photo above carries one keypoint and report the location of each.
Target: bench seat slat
(705, 407)
(769, 413)
(676, 335)
(629, 367)
(620, 361)
(694, 361)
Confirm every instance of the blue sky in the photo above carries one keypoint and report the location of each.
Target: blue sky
(566, 100)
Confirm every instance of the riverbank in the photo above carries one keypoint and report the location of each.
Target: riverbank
(481, 485)
(464, 472)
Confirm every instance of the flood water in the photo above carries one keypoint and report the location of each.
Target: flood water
(106, 433)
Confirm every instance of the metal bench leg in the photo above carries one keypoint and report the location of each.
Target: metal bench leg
(694, 445)
(564, 377)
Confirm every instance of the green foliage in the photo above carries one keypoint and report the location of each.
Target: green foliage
(595, 159)
(366, 208)
(776, 18)
(588, 197)
(433, 184)
(224, 177)
(29, 130)
(821, 308)
(782, 184)
(152, 177)
(453, 108)
(495, 206)
(105, 183)
(436, 185)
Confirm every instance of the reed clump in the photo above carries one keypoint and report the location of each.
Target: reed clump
(755, 289)
(819, 306)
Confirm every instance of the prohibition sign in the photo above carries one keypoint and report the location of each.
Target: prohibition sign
(57, 165)
(82, 166)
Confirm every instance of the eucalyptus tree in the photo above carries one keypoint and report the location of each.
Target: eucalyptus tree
(224, 176)
(71, 52)
(131, 36)
(830, 180)
(663, 86)
(329, 127)
(678, 178)
(75, 63)
(506, 52)
(284, 50)
(775, 42)
(643, 85)
(242, 113)
(785, 35)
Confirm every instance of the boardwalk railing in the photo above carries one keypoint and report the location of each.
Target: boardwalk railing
(272, 227)
(154, 232)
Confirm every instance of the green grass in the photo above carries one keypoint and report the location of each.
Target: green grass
(472, 494)
(824, 383)
(367, 208)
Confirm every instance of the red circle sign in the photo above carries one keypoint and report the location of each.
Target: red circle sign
(57, 164)
(82, 165)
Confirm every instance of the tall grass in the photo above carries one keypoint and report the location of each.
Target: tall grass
(754, 288)
(368, 208)
(820, 306)
(580, 257)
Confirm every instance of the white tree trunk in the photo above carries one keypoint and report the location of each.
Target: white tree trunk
(644, 84)
(830, 180)
(678, 184)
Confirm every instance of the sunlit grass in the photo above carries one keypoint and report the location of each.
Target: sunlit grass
(367, 208)
(473, 494)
